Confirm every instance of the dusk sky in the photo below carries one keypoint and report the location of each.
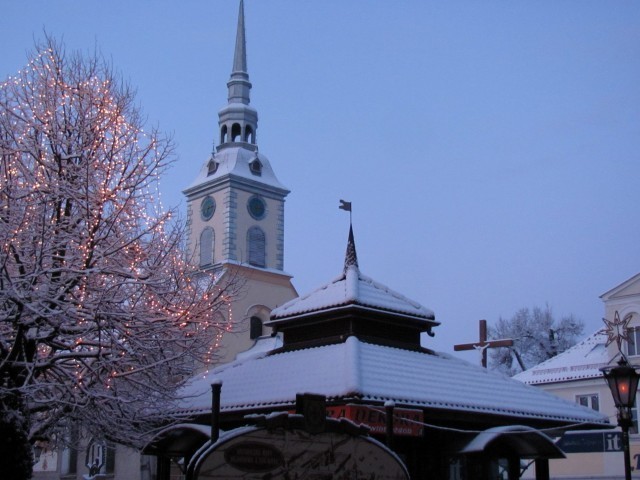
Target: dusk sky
(491, 150)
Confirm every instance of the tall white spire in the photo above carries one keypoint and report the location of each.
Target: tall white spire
(237, 120)
(239, 85)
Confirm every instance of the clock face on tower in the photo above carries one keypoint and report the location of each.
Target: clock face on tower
(207, 207)
(257, 208)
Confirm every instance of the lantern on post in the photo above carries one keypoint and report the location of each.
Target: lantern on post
(623, 383)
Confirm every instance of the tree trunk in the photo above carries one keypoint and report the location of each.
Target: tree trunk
(16, 461)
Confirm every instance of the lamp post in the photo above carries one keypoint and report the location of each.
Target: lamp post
(623, 383)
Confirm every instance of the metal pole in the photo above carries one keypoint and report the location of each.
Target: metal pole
(625, 421)
(388, 408)
(215, 411)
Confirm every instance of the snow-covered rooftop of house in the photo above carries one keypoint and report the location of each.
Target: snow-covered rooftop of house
(352, 287)
(376, 373)
(235, 161)
(582, 361)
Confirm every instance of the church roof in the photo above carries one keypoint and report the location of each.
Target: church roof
(234, 163)
(358, 371)
(582, 361)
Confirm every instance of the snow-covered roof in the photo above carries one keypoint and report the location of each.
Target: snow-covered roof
(582, 361)
(234, 161)
(352, 288)
(630, 287)
(375, 373)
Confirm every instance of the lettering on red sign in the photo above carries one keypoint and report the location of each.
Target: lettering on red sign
(407, 422)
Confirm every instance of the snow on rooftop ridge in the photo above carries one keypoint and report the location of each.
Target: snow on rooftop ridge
(349, 288)
(376, 374)
(582, 361)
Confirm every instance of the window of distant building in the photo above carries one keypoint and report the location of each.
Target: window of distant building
(100, 457)
(69, 460)
(633, 344)
(589, 401)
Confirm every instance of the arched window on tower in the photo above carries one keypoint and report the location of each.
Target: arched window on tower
(223, 134)
(236, 132)
(248, 134)
(256, 248)
(206, 247)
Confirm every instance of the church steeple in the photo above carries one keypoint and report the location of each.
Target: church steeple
(239, 85)
(238, 121)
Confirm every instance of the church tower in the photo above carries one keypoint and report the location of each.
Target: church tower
(236, 211)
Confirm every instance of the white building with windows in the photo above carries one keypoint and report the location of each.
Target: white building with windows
(575, 375)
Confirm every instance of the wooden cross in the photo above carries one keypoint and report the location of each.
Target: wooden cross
(483, 344)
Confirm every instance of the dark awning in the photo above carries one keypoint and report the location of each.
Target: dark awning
(525, 442)
(180, 440)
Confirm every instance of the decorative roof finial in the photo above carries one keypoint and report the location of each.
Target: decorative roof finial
(351, 258)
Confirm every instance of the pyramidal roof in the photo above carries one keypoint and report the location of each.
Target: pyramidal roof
(352, 288)
(582, 361)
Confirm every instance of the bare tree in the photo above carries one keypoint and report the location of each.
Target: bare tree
(101, 315)
(537, 336)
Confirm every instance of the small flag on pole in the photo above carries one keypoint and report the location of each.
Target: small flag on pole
(345, 206)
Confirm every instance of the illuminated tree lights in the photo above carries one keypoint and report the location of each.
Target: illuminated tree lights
(101, 315)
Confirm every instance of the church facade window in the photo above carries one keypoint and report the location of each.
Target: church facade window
(207, 238)
(256, 247)
(255, 327)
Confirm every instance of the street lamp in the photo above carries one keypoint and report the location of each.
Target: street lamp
(623, 383)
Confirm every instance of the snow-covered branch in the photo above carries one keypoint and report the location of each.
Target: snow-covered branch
(101, 316)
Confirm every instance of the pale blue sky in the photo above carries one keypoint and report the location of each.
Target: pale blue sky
(491, 149)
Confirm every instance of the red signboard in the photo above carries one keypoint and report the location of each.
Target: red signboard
(407, 422)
